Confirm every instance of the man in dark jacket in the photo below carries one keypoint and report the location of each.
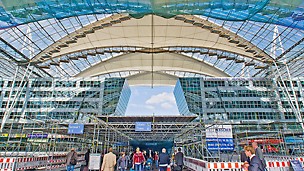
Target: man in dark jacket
(179, 159)
(255, 163)
(259, 153)
(87, 157)
(164, 160)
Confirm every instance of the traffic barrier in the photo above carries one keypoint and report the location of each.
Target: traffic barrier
(195, 164)
(225, 165)
(50, 161)
(7, 163)
(31, 162)
(283, 158)
(201, 165)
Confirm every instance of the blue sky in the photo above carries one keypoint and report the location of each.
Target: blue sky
(145, 100)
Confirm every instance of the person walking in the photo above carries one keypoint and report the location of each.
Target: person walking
(85, 167)
(87, 157)
(138, 160)
(259, 153)
(122, 162)
(179, 160)
(164, 160)
(71, 160)
(255, 163)
(109, 161)
(156, 159)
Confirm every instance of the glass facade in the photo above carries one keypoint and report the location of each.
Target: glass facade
(63, 98)
(239, 99)
(180, 99)
(115, 97)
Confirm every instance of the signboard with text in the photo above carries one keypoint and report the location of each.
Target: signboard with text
(219, 137)
(37, 135)
(75, 128)
(142, 126)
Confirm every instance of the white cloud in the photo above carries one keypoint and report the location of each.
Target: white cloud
(161, 98)
(150, 107)
(166, 105)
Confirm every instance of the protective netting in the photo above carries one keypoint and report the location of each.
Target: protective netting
(282, 12)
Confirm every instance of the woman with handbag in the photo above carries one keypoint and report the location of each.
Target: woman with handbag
(71, 160)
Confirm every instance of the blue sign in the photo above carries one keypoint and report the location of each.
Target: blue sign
(142, 126)
(296, 165)
(223, 144)
(37, 135)
(75, 128)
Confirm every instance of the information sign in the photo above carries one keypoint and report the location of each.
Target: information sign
(75, 128)
(142, 126)
(219, 137)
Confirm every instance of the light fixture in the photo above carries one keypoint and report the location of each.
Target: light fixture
(216, 31)
(234, 41)
(115, 21)
(241, 45)
(71, 41)
(106, 24)
(125, 18)
(83, 56)
(73, 58)
(89, 31)
(179, 18)
(249, 63)
(63, 45)
(230, 58)
(212, 53)
(189, 21)
(198, 24)
(250, 50)
(54, 63)
(44, 66)
(260, 67)
(63, 60)
(80, 35)
(221, 57)
(239, 60)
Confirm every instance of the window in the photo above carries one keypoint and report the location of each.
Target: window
(90, 83)
(65, 84)
(41, 83)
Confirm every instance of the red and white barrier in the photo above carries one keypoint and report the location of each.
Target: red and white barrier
(50, 161)
(200, 165)
(7, 164)
(31, 162)
(225, 165)
(196, 164)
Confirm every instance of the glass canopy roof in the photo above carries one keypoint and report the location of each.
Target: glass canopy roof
(29, 27)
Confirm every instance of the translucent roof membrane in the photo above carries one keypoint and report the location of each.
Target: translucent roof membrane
(77, 62)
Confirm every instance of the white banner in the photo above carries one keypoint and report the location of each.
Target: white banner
(219, 131)
(94, 162)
